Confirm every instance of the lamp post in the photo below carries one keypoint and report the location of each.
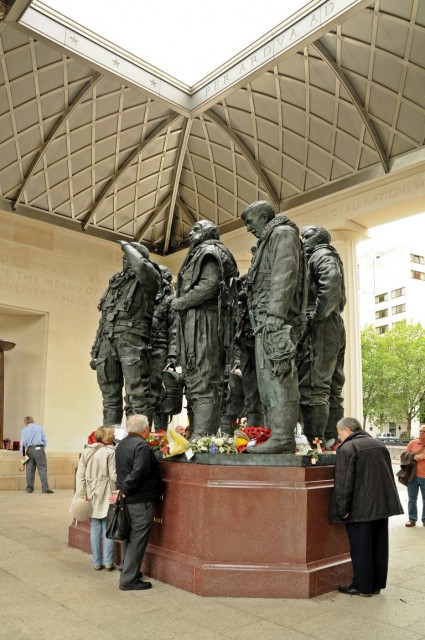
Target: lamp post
(4, 346)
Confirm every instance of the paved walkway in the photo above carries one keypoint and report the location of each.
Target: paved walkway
(50, 592)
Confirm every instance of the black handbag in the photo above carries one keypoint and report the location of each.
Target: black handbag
(118, 522)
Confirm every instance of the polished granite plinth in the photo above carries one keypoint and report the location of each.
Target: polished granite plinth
(245, 530)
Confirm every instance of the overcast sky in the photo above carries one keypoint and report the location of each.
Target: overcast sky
(187, 39)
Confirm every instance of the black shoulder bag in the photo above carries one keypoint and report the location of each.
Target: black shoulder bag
(118, 523)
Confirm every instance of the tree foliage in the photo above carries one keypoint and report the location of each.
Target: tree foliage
(393, 373)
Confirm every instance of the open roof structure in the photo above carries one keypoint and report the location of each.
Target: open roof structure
(96, 139)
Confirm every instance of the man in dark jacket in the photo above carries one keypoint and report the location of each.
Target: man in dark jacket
(139, 480)
(204, 302)
(276, 294)
(364, 497)
(320, 357)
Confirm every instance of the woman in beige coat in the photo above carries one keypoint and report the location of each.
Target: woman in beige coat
(96, 478)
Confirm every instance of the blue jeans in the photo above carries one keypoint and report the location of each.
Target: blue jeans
(97, 535)
(412, 491)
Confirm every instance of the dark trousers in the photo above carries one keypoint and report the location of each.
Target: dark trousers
(369, 554)
(133, 549)
(37, 459)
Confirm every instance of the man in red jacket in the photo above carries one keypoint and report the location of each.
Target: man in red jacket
(364, 497)
(417, 449)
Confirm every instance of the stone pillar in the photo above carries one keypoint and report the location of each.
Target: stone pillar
(344, 240)
(4, 346)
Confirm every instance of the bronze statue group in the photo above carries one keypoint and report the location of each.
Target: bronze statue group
(278, 329)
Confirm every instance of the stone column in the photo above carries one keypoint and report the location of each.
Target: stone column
(344, 240)
(4, 346)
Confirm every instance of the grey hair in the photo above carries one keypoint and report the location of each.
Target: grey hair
(136, 423)
(349, 423)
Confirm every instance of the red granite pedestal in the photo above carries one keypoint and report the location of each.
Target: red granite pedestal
(246, 531)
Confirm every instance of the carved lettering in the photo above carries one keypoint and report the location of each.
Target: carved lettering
(242, 68)
(314, 22)
(329, 8)
(61, 284)
(254, 60)
(293, 34)
(267, 51)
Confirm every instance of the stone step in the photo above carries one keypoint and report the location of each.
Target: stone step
(61, 469)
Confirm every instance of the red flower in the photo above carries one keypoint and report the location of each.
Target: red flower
(92, 438)
(260, 434)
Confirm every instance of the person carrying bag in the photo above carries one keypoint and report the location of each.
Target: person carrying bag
(95, 482)
(118, 520)
(412, 475)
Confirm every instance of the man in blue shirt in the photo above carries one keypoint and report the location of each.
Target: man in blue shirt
(33, 442)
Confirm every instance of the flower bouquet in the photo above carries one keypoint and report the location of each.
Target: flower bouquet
(249, 437)
(158, 441)
(213, 444)
(91, 439)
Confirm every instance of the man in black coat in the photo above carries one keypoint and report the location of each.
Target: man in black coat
(139, 480)
(364, 496)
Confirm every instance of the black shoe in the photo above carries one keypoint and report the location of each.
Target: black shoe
(352, 591)
(30, 490)
(48, 491)
(138, 586)
(376, 592)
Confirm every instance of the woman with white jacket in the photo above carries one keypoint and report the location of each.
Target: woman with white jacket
(96, 478)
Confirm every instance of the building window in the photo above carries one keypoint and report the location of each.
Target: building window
(383, 313)
(382, 329)
(381, 298)
(417, 259)
(418, 275)
(400, 308)
(396, 293)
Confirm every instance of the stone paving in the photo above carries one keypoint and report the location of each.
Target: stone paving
(50, 592)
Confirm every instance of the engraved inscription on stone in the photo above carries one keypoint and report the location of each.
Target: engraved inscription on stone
(49, 281)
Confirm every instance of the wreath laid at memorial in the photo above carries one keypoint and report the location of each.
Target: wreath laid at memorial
(170, 443)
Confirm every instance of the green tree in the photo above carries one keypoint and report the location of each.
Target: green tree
(393, 373)
(372, 376)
